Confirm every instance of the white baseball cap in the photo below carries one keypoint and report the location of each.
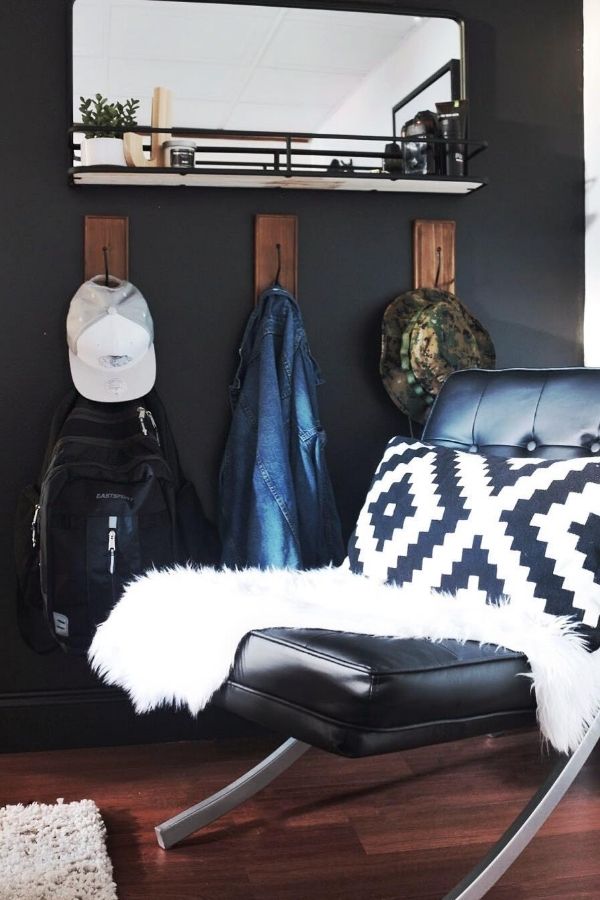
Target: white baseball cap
(110, 336)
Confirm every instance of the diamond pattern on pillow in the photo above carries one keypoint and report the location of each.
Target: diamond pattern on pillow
(444, 519)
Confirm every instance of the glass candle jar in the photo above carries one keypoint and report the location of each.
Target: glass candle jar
(181, 153)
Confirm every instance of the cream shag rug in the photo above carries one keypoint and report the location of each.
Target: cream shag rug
(54, 852)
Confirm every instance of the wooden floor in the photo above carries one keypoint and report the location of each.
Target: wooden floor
(402, 826)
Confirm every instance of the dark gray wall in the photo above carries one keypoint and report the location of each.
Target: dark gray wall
(520, 270)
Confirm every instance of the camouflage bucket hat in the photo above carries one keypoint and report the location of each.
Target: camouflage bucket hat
(427, 334)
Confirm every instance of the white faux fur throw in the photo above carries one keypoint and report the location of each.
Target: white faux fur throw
(173, 635)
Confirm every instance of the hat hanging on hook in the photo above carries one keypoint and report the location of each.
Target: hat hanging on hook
(110, 335)
(426, 335)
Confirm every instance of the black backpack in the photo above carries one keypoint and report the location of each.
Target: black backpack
(111, 503)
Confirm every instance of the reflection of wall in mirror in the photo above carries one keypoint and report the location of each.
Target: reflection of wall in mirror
(370, 105)
(230, 66)
(269, 68)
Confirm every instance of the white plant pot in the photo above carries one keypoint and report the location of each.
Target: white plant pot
(102, 151)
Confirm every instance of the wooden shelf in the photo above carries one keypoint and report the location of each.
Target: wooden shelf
(145, 177)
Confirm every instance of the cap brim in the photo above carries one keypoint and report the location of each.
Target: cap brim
(114, 385)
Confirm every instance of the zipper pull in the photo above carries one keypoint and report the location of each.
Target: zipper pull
(153, 423)
(112, 542)
(142, 416)
(36, 514)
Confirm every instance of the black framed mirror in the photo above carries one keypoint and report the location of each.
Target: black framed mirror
(254, 70)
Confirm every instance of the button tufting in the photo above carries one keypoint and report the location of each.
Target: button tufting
(531, 445)
(473, 448)
(595, 447)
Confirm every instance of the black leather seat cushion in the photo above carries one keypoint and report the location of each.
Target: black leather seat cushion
(359, 694)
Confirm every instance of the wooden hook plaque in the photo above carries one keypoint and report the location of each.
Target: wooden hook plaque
(269, 231)
(111, 232)
(434, 263)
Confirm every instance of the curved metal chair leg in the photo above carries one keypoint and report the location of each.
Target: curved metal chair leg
(481, 878)
(185, 823)
(514, 840)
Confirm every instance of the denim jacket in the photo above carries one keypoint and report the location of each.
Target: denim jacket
(276, 501)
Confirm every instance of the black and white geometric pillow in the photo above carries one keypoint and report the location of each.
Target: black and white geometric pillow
(454, 521)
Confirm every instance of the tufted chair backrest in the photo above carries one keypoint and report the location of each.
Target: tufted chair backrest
(543, 413)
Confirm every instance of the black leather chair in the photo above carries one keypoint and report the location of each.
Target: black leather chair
(359, 695)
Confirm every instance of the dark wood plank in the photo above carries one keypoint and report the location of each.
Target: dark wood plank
(269, 231)
(111, 232)
(434, 254)
(405, 826)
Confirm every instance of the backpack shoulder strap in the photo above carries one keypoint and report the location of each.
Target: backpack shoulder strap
(58, 420)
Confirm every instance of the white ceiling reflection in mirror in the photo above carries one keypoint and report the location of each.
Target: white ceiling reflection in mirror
(262, 68)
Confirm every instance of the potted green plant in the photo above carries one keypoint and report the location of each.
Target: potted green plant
(105, 148)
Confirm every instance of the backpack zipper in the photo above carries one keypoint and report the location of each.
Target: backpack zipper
(104, 419)
(111, 443)
(89, 415)
(112, 543)
(144, 414)
(36, 513)
(124, 467)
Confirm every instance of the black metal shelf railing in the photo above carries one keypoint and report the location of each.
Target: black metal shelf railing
(279, 153)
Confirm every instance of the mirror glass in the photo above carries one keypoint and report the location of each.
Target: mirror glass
(262, 68)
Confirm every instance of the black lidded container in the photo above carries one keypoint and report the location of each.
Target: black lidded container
(421, 156)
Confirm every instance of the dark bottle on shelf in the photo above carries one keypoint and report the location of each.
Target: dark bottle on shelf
(393, 161)
(452, 118)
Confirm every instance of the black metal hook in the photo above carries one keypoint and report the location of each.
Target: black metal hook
(438, 251)
(105, 251)
(278, 273)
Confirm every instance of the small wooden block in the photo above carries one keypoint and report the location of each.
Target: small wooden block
(133, 147)
(162, 100)
(111, 232)
(434, 252)
(268, 232)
